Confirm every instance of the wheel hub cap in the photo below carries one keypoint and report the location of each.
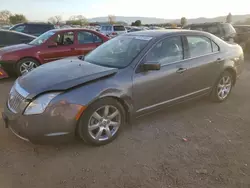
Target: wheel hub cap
(224, 87)
(104, 123)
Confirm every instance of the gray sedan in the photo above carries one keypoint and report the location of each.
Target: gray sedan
(93, 97)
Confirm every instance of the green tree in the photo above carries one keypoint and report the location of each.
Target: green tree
(5, 16)
(17, 18)
(183, 21)
(77, 20)
(229, 18)
(138, 23)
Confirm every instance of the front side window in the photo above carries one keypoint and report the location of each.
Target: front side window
(118, 52)
(166, 51)
(199, 45)
(42, 38)
(65, 39)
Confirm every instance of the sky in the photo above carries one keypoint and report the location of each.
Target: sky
(43, 9)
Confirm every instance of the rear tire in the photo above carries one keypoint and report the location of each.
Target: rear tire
(102, 121)
(222, 88)
(26, 65)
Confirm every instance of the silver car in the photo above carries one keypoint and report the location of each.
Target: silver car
(113, 30)
(93, 97)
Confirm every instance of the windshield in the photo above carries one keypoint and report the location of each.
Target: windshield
(118, 52)
(42, 38)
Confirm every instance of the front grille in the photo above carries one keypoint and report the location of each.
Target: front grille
(16, 102)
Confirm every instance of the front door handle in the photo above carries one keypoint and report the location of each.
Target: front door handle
(73, 48)
(181, 70)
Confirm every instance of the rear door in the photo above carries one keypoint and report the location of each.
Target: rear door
(86, 42)
(66, 46)
(203, 59)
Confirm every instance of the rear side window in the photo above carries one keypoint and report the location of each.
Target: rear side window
(119, 28)
(166, 51)
(199, 45)
(19, 28)
(85, 37)
(215, 47)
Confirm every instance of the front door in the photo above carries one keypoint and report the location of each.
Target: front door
(66, 47)
(86, 42)
(152, 89)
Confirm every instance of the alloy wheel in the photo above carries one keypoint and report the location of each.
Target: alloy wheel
(27, 67)
(224, 87)
(104, 123)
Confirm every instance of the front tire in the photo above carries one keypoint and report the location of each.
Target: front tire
(101, 122)
(223, 87)
(26, 65)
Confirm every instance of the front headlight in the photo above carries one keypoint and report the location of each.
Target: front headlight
(39, 105)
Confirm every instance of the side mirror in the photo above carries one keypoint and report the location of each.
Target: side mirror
(81, 57)
(52, 44)
(150, 66)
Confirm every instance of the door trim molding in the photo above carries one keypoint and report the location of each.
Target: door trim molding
(171, 100)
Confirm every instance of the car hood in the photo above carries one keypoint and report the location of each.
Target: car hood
(62, 75)
(13, 48)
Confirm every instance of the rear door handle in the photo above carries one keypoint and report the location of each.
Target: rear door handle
(181, 70)
(73, 48)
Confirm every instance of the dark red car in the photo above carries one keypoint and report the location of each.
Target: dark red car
(50, 46)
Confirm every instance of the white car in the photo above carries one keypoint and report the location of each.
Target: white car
(113, 30)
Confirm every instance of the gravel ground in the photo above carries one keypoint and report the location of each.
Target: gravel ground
(193, 145)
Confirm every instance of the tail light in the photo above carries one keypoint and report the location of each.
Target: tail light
(114, 33)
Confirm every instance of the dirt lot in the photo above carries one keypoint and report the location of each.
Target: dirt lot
(150, 153)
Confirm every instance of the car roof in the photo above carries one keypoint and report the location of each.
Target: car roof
(34, 23)
(72, 29)
(241, 25)
(165, 32)
(19, 33)
(206, 23)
